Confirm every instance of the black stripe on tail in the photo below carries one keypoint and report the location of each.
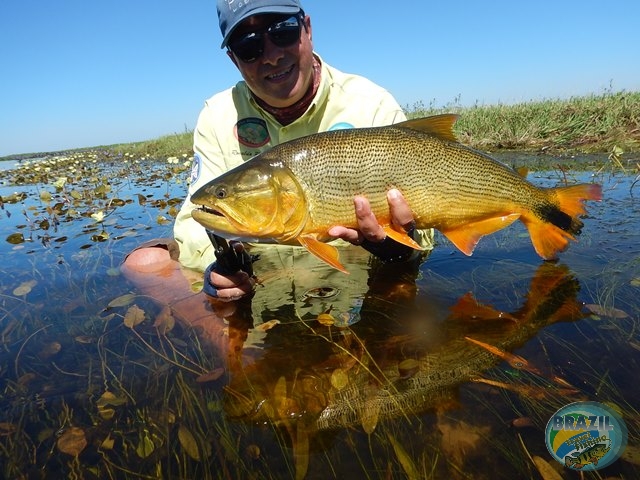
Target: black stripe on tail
(552, 214)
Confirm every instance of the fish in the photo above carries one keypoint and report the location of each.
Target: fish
(295, 192)
(591, 455)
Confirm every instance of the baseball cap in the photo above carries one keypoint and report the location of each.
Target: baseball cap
(232, 12)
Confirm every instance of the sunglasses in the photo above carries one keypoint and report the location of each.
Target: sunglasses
(249, 47)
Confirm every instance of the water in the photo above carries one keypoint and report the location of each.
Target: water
(403, 392)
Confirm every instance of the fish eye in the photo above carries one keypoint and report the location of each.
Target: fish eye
(221, 192)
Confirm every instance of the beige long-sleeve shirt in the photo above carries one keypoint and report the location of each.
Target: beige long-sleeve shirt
(231, 129)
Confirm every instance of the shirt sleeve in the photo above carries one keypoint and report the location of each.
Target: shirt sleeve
(196, 250)
(388, 112)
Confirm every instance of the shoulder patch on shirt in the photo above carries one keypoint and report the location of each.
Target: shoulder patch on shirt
(195, 169)
(252, 132)
(340, 126)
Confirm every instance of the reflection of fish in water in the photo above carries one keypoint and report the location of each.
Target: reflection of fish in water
(591, 455)
(360, 382)
(295, 192)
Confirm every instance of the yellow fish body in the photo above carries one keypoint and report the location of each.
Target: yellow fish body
(295, 192)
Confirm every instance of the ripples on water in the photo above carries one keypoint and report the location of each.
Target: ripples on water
(400, 393)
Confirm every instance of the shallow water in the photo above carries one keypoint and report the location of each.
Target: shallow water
(401, 393)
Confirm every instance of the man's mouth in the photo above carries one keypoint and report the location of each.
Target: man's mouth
(274, 77)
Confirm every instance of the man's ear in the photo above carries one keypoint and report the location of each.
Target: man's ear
(232, 57)
(307, 26)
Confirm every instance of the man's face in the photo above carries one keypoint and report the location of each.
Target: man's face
(282, 75)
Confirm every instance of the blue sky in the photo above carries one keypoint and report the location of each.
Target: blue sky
(77, 73)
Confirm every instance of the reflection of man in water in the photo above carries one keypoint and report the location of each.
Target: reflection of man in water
(407, 355)
(287, 92)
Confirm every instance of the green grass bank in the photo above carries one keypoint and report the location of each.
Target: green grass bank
(586, 124)
(589, 124)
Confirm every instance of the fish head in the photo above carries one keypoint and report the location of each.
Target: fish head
(257, 201)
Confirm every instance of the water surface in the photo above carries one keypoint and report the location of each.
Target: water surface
(95, 385)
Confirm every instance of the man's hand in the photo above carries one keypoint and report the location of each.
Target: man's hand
(368, 227)
(232, 286)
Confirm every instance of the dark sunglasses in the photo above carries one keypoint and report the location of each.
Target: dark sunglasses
(249, 47)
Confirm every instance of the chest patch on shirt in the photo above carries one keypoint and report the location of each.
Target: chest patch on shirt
(252, 132)
(195, 169)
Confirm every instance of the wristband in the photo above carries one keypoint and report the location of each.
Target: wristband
(389, 250)
(208, 287)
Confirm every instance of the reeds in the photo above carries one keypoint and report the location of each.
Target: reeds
(593, 123)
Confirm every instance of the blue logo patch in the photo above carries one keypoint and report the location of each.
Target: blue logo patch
(340, 126)
(195, 169)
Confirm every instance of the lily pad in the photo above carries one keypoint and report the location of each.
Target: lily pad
(134, 316)
(24, 288)
(15, 238)
(72, 441)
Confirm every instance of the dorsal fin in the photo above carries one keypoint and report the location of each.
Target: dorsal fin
(440, 126)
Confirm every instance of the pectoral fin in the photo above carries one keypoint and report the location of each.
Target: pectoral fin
(401, 237)
(467, 236)
(324, 251)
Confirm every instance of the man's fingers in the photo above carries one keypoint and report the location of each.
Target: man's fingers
(399, 209)
(367, 222)
(232, 287)
(229, 281)
(347, 234)
(368, 227)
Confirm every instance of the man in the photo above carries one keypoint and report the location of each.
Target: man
(287, 92)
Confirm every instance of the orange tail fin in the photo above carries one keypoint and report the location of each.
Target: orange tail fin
(553, 227)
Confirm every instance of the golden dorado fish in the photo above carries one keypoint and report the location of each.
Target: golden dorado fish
(296, 191)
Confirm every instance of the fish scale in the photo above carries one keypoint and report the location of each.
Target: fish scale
(296, 191)
(440, 179)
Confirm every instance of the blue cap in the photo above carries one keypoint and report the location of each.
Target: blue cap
(232, 12)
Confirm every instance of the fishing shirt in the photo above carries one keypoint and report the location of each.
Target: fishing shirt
(232, 128)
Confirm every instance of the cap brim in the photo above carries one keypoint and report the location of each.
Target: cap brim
(258, 11)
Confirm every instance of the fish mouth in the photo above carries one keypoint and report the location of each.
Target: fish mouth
(210, 211)
(211, 218)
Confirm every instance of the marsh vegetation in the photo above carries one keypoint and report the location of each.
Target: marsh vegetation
(451, 373)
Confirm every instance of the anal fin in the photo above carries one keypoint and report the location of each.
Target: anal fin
(466, 237)
(401, 236)
(325, 252)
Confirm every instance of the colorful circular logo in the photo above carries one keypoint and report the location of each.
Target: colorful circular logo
(586, 436)
(252, 132)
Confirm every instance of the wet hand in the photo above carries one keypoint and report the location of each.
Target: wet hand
(229, 285)
(232, 287)
(368, 227)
